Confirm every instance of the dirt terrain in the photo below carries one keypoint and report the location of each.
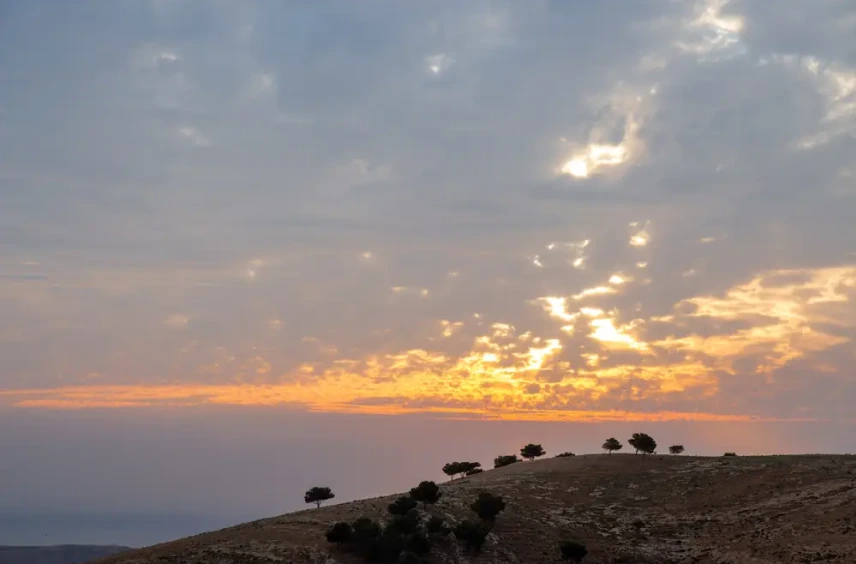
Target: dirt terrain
(663, 509)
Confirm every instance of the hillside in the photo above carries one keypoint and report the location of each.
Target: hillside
(59, 554)
(664, 509)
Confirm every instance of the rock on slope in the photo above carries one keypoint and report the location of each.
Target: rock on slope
(663, 509)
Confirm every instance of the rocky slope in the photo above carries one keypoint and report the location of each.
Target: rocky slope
(663, 509)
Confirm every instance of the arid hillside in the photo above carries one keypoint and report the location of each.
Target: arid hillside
(661, 509)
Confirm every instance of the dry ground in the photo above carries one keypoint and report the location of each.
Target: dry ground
(664, 509)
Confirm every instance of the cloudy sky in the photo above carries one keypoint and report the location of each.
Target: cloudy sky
(233, 230)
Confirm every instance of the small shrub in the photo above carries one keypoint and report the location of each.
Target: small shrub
(426, 493)
(505, 460)
(612, 444)
(638, 524)
(531, 451)
(339, 533)
(475, 471)
(472, 534)
(487, 506)
(573, 551)
(676, 449)
(317, 495)
(402, 505)
(730, 454)
(564, 455)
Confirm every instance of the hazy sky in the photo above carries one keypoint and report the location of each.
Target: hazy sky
(243, 243)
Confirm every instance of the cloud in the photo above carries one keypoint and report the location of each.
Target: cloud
(372, 209)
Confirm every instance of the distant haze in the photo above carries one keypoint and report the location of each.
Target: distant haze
(251, 247)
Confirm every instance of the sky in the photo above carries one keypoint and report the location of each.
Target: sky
(249, 246)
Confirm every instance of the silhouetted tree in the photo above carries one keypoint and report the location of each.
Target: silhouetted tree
(531, 452)
(730, 454)
(452, 469)
(317, 495)
(487, 506)
(612, 444)
(436, 526)
(339, 533)
(573, 551)
(643, 443)
(676, 449)
(505, 460)
(427, 493)
(472, 534)
(564, 455)
(402, 505)
(474, 471)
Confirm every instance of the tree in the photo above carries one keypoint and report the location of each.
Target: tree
(730, 454)
(418, 542)
(339, 533)
(404, 524)
(402, 505)
(365, 536)
(474, 471)
(643, 443)
(573, 551)
(436, 526)
(427, 493)
(531, 452)
(612, 444)
(472, 534)
(505, 460)
(487, 506)
(676, 449)
(317, 495)
(564, 455)
(451, 469)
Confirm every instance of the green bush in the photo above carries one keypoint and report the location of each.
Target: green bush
(427, 493)
(402, 505)
(564, 455)
(339, 533)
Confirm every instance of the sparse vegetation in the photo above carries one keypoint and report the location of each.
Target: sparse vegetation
(426, 493)
(505, 460)
(317, 495)
(612, 444)
(472, 534)
(564, 455)
(532, 451)
(643, 443)
(573, 551)
(487, 506)
(676, 449)
(402, 505)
